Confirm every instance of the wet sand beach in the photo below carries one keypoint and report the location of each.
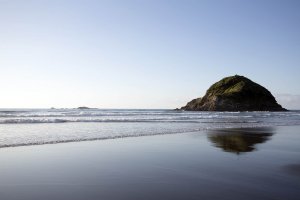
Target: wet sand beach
(245, 163)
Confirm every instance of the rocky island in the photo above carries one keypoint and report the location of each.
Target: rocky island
(235, 93)
(83, 108)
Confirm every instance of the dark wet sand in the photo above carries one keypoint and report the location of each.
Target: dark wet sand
(260, 163)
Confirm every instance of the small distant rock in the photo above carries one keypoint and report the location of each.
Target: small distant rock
(235, 93)
(83, 107)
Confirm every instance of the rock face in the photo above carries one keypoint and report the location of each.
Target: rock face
(235, 93)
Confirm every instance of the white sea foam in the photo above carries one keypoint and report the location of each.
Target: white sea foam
(43, 126)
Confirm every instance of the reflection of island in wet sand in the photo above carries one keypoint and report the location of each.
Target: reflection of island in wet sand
(239, 140)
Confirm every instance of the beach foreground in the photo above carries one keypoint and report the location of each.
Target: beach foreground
(249, 163)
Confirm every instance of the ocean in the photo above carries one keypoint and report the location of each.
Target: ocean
(22, 127)
(181, 155)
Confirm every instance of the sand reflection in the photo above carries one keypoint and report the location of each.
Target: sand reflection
(239, 140)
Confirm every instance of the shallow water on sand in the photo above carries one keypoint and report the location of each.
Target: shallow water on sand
(240, 163)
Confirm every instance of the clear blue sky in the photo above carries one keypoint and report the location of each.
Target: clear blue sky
(144, 54)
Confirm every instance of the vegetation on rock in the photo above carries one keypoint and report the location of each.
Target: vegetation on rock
(235, 93)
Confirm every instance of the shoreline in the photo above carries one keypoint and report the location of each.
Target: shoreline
(134, 136)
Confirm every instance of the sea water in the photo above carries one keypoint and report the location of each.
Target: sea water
(20, 127)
